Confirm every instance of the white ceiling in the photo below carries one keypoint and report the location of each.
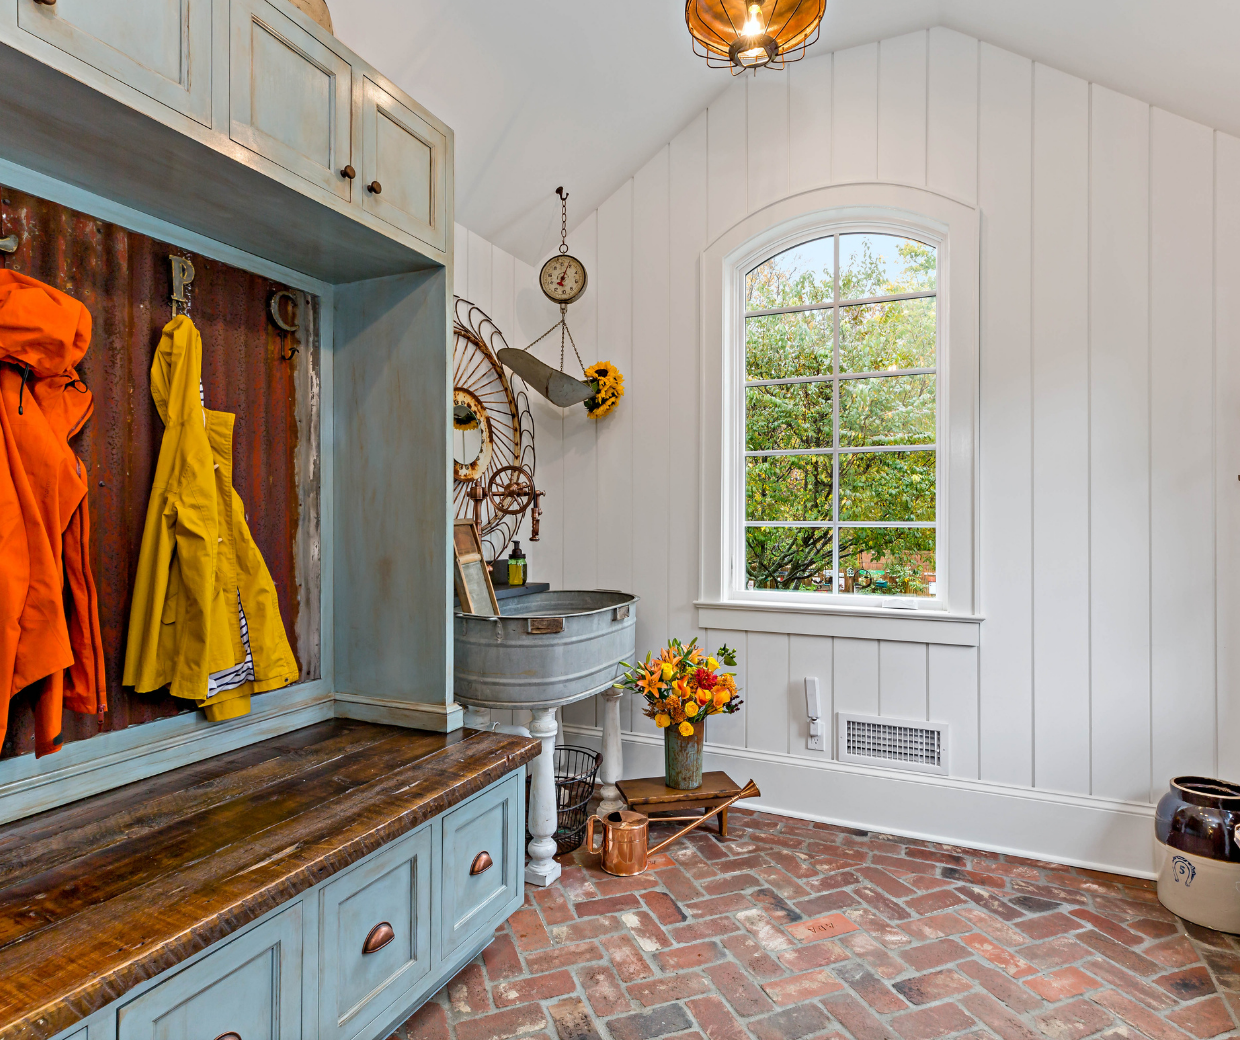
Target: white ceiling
(582, 93)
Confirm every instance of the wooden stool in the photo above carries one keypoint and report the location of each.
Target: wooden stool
(650, 795)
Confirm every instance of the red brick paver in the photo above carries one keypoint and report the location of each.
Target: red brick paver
(790, 930)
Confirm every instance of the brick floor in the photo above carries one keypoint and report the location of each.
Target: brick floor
(791, 930)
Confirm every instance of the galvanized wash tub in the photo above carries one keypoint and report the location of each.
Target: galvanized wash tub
(546, 649)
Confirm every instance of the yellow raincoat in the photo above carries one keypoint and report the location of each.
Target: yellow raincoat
(202, 592)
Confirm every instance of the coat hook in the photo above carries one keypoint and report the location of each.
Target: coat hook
(9, 244)
(285, 327)
(182, 275)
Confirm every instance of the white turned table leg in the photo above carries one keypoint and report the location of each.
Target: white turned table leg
(541, 868)
(476, 718)
(612, 767)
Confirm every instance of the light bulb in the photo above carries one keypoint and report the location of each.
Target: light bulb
(751, 27)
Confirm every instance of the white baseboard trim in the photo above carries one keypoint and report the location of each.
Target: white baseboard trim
(1077, 830)
(87, 767)
(438, 718)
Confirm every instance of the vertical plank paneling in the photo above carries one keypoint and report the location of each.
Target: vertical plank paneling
(460, 260)
(1004, 191)
(1227, 448)
(727, 159)
(951, 114)
(1060, 430)
(503, 273)
(855, 679)
(614, 470)
(902, 109)
(730, 730)
(767, 140)
(902, 680)
(687, 227)
(1181, 448)
(1119, 444)
(650, 402)
(769, 682)
(810, 656)
(952, 697)
(809, 122)
(480, 271)
(854, 115)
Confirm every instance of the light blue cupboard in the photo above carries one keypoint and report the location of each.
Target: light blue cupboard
(301, 973)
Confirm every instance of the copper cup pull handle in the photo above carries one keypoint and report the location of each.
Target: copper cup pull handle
(481, 862)
(222, 1036)
(380, 935)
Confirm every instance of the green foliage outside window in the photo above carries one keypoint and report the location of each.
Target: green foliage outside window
(887, 411)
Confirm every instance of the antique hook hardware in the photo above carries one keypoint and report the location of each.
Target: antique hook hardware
(378, 937)
(273, 308)
(182, 276)
(9, 244)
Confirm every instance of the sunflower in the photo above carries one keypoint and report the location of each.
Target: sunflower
(608, 386)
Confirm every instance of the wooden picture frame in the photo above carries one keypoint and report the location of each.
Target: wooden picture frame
(470, 570)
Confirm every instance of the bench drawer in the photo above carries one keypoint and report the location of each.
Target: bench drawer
(375, 934)
(488, 828)
(250, 986)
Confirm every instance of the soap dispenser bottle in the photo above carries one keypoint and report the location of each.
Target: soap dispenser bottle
(516, 565)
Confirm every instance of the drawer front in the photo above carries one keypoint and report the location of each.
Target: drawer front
(160, 47)
(250, 986)
(408, 158)
(490, 824)
(376, 930)
(290, 96)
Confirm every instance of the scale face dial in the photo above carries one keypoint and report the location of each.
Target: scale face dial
(563, 278)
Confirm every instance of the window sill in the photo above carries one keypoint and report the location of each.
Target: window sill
(910, 626)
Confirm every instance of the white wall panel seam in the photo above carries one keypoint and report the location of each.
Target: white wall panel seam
(1089, 426)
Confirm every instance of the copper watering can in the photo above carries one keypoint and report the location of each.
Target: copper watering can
(625, 833)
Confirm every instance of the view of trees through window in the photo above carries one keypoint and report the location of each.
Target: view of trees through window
(841, 418)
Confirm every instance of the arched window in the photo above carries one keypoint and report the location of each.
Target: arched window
(839, 383)
(841, 475)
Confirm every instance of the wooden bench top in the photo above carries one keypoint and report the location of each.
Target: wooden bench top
(105, 893)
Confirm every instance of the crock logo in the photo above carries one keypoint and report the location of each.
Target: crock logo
(1182, 870)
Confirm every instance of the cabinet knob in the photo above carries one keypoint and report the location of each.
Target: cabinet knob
(348, 173)
(380, 935)
(481, 862)
(374, 187)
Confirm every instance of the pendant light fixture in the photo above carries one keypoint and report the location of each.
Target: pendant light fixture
(748, 34)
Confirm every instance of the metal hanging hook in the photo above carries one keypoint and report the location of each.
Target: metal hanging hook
(563, 221)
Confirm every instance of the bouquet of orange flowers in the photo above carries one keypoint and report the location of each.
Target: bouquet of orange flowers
(683, 685)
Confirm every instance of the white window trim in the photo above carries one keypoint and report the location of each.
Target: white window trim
(953, 229)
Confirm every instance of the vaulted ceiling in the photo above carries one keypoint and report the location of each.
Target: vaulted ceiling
(583, 92)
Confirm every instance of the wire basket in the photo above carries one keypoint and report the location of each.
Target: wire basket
(575, 770)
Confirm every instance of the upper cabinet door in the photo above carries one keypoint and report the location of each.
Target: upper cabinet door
(403, 167)
(291, 96)
(159, 47)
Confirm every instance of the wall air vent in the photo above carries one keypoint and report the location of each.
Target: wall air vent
(893, 743)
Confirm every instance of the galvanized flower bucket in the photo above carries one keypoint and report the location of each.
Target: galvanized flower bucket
(682, 757)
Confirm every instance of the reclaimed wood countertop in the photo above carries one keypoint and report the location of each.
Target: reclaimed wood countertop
(100, 895)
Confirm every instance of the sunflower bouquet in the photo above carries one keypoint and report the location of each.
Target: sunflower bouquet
(608, 386)
(683, 686)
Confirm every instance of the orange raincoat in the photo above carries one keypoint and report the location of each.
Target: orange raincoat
(49, 615)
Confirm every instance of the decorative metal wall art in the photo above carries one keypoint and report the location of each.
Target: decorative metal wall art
(744, 34)
(492, 434)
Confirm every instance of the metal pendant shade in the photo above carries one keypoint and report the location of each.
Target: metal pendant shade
(557, 387)
(748, 34)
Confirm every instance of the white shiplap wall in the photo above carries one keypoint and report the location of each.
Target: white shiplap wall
(1109, 429)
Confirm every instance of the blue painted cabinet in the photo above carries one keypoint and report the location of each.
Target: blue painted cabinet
(291, 95)
(250, 986)
(382, 905)
(160, 47)
(302, 973)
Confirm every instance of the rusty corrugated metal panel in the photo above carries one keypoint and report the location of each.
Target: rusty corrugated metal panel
(124, 280)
